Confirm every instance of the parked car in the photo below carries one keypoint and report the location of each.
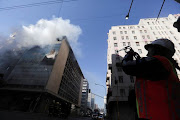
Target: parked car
(95, 116)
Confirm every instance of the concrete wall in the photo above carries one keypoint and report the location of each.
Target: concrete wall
(58, 68)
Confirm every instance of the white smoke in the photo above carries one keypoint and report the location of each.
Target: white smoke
(45, 32)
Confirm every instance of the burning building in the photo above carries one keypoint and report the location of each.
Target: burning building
(41, 77)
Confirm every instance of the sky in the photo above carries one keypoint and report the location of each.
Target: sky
(87, 21)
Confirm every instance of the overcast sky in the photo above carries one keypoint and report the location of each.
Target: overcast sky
(87, 21)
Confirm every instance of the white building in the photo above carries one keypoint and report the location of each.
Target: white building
(91, 101)
(118, 83)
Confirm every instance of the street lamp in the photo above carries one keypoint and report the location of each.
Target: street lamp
(127, 16)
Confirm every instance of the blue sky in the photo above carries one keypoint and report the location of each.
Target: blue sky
(95, 18)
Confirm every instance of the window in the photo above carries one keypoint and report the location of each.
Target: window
(114, 32)
(133, 32)
(135, 37)
(129, 44)
(114, 38)
(153, 23)
(171, 32)
(143, 37)
(119, 27)
(146, 42)
(115, 81)
(119, 69)
(120, 79)
(151, 28)
(162, 27)
(132, 79)
(162, 32)
(125, 32)
(175, 38)
(163, 22)
(115, 45)
(142, 26)
(124, 44)
(156, 28)
(159, 33)
(140, 51)
(137, 43)
(122, 37)
(154, 33)
(148, 23)
(167, 27)
(124, 27)
(138, 26)
(148, 36)
(127, 38)
(145, 31)
(156, 37)
(122, 92)
(121, 32)
(159, 27)
(140, 31)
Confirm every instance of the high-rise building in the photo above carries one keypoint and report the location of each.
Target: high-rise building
(84, 99)
(91, 100)
(118, 83)
(42, 77)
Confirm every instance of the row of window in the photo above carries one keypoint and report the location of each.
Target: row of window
(153, 23)
(163, 33)
(159, 27)
(129, 44)
(145, 31)
(135, 37)
(130, 27)
(120, 80)
(125, 32)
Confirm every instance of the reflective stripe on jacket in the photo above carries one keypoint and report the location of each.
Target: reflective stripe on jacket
(159, 100)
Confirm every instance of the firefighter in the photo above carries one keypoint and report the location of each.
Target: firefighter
(156, 86)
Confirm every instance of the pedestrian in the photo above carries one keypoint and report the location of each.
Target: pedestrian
(157, 84)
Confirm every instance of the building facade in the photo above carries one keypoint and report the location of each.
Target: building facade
(119, 84)
(91, 101)
(43, 77)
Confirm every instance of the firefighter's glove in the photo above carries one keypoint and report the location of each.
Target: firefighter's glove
(128, 56)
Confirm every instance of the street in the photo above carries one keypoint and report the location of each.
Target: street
(8, 115)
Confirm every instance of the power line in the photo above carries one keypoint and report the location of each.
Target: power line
(35, 4)
(98, 95)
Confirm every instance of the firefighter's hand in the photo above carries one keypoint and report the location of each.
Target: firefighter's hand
(128, 56)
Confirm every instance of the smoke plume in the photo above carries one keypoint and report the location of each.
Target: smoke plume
(44, 32)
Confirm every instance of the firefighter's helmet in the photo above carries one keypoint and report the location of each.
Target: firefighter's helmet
(165, 43)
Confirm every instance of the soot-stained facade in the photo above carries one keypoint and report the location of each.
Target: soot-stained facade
(43, 77)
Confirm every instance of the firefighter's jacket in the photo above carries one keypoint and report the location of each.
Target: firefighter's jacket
(157, 88)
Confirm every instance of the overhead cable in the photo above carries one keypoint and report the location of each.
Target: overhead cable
(35, 4)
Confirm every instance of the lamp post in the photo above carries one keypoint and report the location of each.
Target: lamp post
(105, 95)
